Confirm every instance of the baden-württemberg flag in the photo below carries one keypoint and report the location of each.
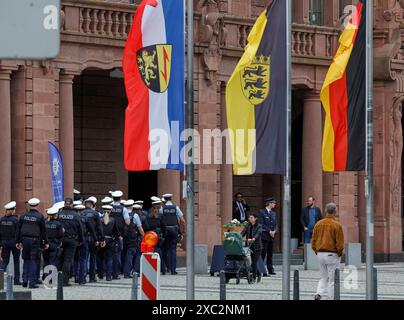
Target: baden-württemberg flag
(256, 97)
(344, 101)
(153, 66)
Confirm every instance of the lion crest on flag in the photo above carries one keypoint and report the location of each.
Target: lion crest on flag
(154, 64)
(255, 80)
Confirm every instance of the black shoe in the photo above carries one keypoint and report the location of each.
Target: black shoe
(76, 280)
(93, 280)
(259, 279)
(17, 283)
(174, 272)
(34, 287)
(39, 281)
(265, 275)
(67, 285)
(116, 278)
(163, 273)
(109, 279)
(272, 273)
(25, 284)
(100, 276)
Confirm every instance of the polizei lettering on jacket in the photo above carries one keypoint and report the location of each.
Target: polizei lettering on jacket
(66, 217)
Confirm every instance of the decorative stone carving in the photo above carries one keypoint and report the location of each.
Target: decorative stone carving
(396, 149)
(46, 66)
(213, 33)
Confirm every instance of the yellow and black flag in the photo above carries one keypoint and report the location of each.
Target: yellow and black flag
(256, 97)
(344, 99)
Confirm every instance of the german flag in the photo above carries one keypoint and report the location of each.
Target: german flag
(344, 99)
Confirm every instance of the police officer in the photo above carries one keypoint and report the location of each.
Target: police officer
(55, 233)
(72, 238)
(155, 223)
(140, 211)
(171, 217)
(100, 253)
(8, 230)
(158, 203)
(117, 213)
(31, 233)
(95, 238)
(111, 233)
(80, 259)
(134, 230)
(77, 195)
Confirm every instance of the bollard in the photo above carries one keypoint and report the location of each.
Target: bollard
(336, 285)
(9, 292)
(134, 287)
(374, 284)
(150, 276)
(222, 285)
(296, 289)
(59, 291)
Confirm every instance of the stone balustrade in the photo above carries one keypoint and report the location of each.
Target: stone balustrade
(113, 21)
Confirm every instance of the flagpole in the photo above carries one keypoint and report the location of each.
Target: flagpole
(286, 217)
(369, 192)
(190, 167)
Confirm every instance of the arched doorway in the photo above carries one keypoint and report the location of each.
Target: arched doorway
(99, 116)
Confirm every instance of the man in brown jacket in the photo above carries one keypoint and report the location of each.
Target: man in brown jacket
(328, 243)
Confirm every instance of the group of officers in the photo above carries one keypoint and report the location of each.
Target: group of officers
(80, 238)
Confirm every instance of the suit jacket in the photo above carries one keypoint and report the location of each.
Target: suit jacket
(256, 234)
(268, 221)
(236, 211)
(305, 216)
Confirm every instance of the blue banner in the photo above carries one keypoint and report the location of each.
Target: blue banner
(56, 167)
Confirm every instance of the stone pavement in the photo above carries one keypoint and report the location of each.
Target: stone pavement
(391, 286)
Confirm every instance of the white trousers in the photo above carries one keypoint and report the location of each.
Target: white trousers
(328, 262)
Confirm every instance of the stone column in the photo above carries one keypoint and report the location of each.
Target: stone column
(301, 11)
(66, 130)
(5, 137)
(331, 13)
(312, 175)
(169, 182)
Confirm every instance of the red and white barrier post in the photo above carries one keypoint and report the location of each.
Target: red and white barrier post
(149, 268)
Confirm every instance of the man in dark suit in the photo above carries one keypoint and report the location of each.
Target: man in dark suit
(240, 208)
(267, 218)
(309, 217)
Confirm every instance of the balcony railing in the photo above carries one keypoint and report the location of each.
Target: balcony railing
(113, 21)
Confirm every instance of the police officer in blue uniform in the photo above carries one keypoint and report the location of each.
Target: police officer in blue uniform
(95, 239)
(55, 233)
(171, 217)
(267, 218)
(72, 238)
(141, 212)
(31, 233)
(8, 230)
(80, 260)
(100, 261)
(117, 212)
(155, 223)
(112, 237)
(134, 231)
(76, 195)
